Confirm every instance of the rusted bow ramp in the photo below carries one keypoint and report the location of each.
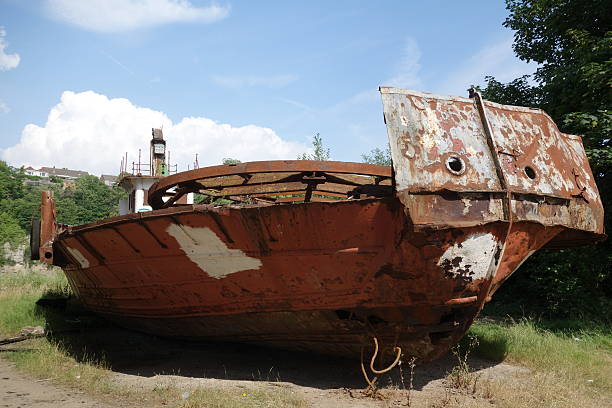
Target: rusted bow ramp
(325, 256)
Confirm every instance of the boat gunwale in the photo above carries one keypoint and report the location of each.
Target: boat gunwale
(194, 208)
(66, 230)
(187, 180)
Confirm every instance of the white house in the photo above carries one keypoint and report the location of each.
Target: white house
(30, 171)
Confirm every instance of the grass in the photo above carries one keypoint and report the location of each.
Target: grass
(42, 358)
(19, 293)
(580, 353)
(461, 377)
(569, 362)
(570, 365)
(248, 397)
(542, 390)
(49, 359)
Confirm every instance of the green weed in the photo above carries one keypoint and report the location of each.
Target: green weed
(580, 353)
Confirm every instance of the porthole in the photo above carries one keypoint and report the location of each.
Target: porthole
(455, 165)
(530, 172)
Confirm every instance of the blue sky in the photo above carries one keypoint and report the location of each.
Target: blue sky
(244, 79)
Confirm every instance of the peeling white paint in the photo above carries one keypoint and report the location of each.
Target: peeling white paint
(409, 149)
(471, 258)
(467, 203)
(209, 252)
(432, 129)
(76, 254)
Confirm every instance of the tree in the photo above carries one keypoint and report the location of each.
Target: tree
(378, 156)
(572, 42)
(89, 200)
(231, 161)
(319, 151)
(17, 200)
(11, 182)
(517, 92)
(11, 233)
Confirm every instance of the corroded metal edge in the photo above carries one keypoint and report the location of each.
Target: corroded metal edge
(512, 164)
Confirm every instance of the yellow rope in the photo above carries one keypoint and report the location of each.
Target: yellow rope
(365, 374)
(398, 350)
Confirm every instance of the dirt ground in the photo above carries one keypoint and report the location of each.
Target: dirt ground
(429, 385)
(19, 391)
(144, 363)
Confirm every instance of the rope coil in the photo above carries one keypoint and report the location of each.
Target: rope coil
(398, 350)
(372, 383)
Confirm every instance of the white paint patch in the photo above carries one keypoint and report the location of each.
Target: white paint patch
(210, 253)
(471, 258)
(79, 257)
(467, 203)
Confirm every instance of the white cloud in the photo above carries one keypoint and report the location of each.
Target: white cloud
(4, 107)
(125, 15)
(496, 60)
(407, 71)
(7, 61)
(88, 131)
(275, 81)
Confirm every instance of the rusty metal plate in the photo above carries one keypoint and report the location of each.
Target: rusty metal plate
(426, 131)
(530, 170)
(529, 139)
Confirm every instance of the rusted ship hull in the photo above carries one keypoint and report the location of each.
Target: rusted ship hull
(408, 257)
(318, 276)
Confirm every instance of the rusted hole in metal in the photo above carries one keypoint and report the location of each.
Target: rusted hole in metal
(530, 172)
(455, 165)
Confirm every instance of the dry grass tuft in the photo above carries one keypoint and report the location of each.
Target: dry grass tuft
(242, 398)
(461, 376)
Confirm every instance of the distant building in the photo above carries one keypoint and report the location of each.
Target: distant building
(30, 171)
(63, 173)
(108, 179)
(67, 176)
